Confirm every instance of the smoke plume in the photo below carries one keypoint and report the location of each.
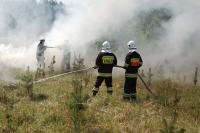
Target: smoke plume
(166, 32)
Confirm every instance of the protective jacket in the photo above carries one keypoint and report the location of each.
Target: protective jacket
(105, 62)
(40, 55)
(65, 63)
(40, 50)
(133, 61)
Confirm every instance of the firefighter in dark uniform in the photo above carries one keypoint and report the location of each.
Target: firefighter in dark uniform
(104, 62)
(133, 61)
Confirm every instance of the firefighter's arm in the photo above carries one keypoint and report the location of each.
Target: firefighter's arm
(97, 63)
(95, 67)
(115, 61)
(51, 47)
(126, 63)
(98, 60)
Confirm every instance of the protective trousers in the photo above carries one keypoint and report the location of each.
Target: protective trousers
(130, 88)
(99, 80)
(65, 64)
(40, 60)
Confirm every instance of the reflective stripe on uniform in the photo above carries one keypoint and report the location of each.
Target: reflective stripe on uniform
(107, 59)
(135, 62)
(95, 89)
(128, 75)
(133, 94)
(126, 95)
(104, 74)
(109, 89)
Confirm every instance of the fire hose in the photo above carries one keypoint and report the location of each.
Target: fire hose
(141, 80)
(55, 76)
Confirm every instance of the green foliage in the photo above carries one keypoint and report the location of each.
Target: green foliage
(28, 83)
(170, 127)
(40, 73)
(177, 106)
(169, 97)
(86, 78)
(165, 92)
(149, 25)
(51, 66)
(8, 103)
(77, 104)
(78, 63)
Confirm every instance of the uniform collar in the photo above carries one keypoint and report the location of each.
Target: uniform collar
(132, 50)
(108, 51)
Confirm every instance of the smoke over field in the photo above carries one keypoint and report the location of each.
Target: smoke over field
(166, 32)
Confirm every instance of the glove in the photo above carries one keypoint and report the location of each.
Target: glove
(124, 67)
(95, 67)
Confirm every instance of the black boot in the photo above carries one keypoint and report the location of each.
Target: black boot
(133, 98)
(94, 93)
(109, 92)
(126, 98)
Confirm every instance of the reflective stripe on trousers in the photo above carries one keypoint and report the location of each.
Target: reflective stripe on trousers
(95, 89)
(128, 75)
(109, 89)
(126, 95)
(104, 74)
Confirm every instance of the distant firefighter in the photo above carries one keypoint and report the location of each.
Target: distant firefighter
(40, 53)
(65, 63)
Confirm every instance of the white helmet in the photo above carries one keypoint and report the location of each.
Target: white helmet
(42, 39)
(131, 45)
(106, 47)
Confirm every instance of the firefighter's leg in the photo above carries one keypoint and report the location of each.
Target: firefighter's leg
(133, 88)
(108, 81)
(38, 62)
(126, 89)
(97, 84)
(67, 67)
(63, 65)
(42, 62)
(68, 63)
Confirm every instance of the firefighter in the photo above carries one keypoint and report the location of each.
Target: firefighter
(40, 54)
(133, 61)
(65, 63)
(104, 62)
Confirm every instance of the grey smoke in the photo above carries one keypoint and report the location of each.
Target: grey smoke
(166, 32)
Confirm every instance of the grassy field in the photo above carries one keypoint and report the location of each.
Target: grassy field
(61, 105)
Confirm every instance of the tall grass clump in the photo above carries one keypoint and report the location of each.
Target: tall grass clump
(40, 73)
(169, 97)
(27, 83)
(8, 102)
(51, 66)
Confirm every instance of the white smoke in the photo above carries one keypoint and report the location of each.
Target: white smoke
(89, 20)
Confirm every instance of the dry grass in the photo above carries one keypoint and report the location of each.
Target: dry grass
(49, 112)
